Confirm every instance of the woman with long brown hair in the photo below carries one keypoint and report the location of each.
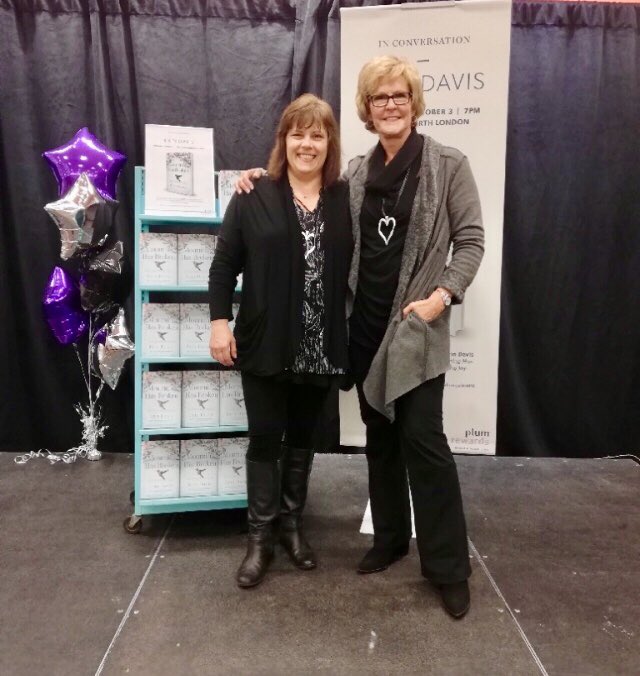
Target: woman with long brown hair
(291, 238)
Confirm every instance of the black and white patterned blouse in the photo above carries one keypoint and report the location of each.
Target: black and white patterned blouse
(311, 357)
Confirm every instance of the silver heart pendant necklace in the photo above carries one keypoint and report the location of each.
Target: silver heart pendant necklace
(385, 222)
(388, 222)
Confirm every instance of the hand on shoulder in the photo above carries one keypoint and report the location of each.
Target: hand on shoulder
(247, 178)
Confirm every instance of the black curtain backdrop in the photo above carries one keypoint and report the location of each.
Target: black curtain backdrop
(569, 376)
(569, 379)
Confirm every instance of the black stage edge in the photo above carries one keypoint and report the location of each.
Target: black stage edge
(555, 547)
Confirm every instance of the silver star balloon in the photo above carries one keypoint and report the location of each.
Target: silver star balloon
(74, 214)
(117, 348)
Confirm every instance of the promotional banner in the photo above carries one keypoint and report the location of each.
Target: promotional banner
(461, 50)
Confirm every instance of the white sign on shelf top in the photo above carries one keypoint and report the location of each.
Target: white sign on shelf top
(179, 171)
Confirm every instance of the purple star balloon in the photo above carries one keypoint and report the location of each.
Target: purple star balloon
(84, 153)
(62, 309)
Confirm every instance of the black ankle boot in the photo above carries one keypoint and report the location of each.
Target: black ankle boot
(456, 598)
(296, 467)
(378, 559)
(263, 494)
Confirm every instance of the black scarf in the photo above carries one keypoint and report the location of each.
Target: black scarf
(384, 181)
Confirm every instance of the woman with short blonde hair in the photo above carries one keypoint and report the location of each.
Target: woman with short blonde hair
(388, 68)
(416, 200)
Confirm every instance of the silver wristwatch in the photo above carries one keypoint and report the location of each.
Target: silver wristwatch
(446, 297)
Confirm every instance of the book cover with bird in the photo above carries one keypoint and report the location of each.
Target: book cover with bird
(200, 399)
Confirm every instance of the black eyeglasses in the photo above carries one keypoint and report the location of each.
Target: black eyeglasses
(381, 100)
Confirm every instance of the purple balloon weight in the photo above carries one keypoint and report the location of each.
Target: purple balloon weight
(85, 153)
(62, 309)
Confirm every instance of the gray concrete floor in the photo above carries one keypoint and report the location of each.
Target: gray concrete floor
(555, 584)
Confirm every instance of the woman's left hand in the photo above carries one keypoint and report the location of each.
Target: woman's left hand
(428, 309)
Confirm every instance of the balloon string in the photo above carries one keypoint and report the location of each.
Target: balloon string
(89, 363)
(75, 347)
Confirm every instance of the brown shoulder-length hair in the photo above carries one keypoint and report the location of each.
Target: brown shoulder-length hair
(307, 111)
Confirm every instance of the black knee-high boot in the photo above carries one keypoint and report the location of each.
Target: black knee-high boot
(296, 468)
(263, 493)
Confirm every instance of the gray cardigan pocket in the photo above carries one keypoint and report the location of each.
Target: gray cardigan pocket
(408, 350)
(416, 344)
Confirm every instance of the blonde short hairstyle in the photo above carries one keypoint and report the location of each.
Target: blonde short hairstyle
(307, 111)
(388, 68)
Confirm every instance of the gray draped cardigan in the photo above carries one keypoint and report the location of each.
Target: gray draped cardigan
(446, 214)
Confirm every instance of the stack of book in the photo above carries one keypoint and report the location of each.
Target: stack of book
(193, 468)
(177, 329)
(175, 399)
(170, 259)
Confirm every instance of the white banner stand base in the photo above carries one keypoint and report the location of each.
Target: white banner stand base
(367, 523)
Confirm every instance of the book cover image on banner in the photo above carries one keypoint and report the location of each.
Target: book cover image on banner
(179, 172)
(461, 52)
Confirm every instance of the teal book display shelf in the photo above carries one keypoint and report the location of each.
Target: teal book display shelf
(146, 294)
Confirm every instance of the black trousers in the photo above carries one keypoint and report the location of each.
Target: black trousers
(277, 408)
(415, 444)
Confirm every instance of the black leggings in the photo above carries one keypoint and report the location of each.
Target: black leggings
(276, 408)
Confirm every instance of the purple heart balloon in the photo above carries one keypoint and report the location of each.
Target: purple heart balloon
(84, 153)
(62, 309)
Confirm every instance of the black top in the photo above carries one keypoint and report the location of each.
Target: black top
(311, 357)
(389, 190)
(261, 237)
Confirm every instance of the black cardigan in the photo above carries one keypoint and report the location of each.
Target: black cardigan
(261, 237)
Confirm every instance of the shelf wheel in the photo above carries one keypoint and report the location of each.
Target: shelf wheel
(133, 524)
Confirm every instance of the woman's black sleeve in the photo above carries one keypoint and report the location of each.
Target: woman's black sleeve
(227, 263)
